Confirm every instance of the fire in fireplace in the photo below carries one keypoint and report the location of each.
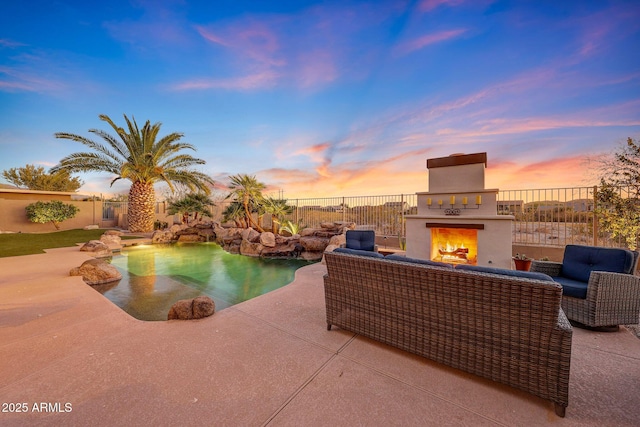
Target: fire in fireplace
(454, 245)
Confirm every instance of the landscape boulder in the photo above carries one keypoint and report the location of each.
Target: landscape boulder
(250, 249)
(190, 238)
(251, 235)
(314, 244)
(111, 239)
(162, 236)
(268, 239)
(189, 309)
(96, 272)
(97, 249)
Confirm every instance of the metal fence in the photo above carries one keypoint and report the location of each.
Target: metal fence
(543, 217)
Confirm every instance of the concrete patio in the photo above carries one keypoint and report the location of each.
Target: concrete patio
(268, 361)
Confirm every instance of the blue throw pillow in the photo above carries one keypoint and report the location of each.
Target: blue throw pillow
(364, 240)
(395, 257)
(358, 252)
(579, 261)
(505, 272)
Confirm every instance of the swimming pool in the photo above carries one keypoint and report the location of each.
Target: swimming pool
(155, 277)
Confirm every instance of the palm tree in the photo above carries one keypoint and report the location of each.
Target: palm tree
(191, 204)
(247, 190)
(140, 158)
(277, 208)
(235, 212)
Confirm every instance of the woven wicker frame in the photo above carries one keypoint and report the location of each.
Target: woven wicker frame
(506, 329)
(612, 298)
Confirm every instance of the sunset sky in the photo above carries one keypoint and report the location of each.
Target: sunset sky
(329, 98)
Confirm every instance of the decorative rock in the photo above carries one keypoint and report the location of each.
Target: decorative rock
(190, 238)
(162, 237)
(282, 251)
(111, 239)
(307, 232)
(204, 224)
(91, 227)
(338, 240)
(96, 272)
(250, 249)
(189, 309)
(187, 231)
(327, 225)
(113, 233)
(250, 234)
(314, 244)
(96, 248)
(268, 239)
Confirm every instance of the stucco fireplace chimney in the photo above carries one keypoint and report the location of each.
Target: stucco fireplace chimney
(457, 220)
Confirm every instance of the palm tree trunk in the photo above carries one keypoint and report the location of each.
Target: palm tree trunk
(252, 223)
(141, 214)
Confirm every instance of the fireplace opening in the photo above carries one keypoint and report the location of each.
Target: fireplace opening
(454, 245)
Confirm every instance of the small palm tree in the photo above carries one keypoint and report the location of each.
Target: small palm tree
(247, 190)
(278, 209)
(191, 204)
(136, 155)
(235, 212)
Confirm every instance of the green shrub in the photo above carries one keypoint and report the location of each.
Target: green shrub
(54, 212)
(160, 225)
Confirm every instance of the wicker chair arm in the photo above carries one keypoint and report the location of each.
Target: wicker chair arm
(604, 285)
(547, 267)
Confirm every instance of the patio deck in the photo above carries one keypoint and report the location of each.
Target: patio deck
(268, 361)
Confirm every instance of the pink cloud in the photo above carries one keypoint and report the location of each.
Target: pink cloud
(10, 43)
(309, 49)
(260, 80)
(316, 67)
(513, 175)
(428, 39)
(20, 80)
(429, 5)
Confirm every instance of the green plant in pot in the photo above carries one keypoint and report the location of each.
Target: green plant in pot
(522, 262)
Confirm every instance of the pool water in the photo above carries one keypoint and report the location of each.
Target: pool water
(155, 277)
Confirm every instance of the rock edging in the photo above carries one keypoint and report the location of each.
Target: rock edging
(309, 245)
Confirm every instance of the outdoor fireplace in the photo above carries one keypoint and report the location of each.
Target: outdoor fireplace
(457, 220)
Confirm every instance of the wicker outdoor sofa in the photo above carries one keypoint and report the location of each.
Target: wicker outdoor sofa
(508, 329)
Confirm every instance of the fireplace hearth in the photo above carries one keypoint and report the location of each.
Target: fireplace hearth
(457, 220)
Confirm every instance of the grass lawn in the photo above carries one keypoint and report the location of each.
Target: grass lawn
(15, 244)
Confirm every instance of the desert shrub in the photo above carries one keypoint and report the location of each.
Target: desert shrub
(54, 212)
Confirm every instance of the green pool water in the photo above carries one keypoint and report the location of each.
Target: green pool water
(155, 277)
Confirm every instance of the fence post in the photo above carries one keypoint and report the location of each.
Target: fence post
(401, 217)
(595, 215)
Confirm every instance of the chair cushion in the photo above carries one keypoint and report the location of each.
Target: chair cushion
(579, 261)
(395, 257)
(358, 252)
(505, 272)
(572, 288)
(364, 240)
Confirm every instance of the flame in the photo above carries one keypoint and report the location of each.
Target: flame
(464, 249)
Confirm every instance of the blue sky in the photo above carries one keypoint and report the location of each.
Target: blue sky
(329, 98)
